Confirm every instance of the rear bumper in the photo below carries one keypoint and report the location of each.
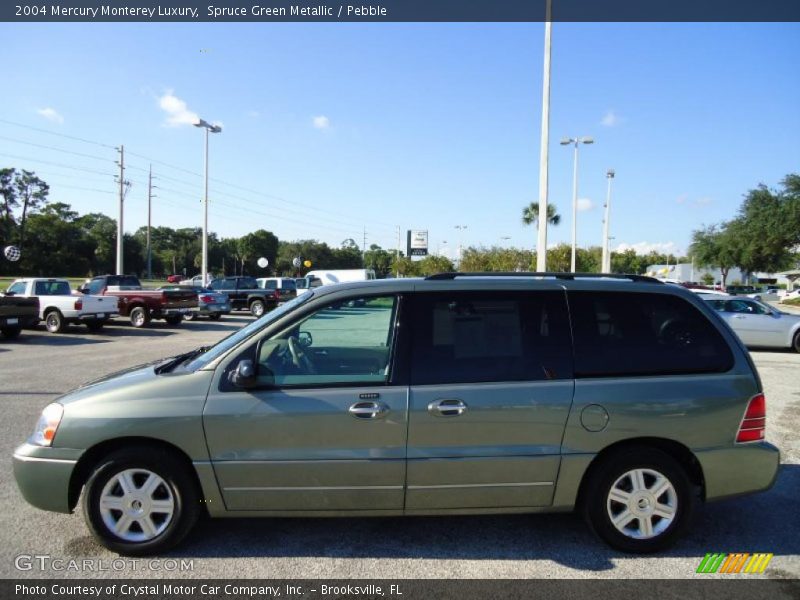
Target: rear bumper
(43, 475)
(19, 321)
(97, 317)
(739, 470)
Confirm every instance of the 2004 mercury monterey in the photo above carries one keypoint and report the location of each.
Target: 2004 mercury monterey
(619, 396)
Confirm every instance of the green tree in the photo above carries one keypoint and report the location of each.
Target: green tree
(31, 194)
(379, 260)
(432, 264)
(260, 243)
(530, 214)
(715, 246)
(8, 194)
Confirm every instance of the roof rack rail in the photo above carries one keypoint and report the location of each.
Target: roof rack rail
(567, 276)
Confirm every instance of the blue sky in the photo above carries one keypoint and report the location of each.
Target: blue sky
(333, 128)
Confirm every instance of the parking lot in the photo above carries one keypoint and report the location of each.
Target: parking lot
(39, 367)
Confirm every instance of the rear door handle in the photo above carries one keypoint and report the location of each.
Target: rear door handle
(449, 407)
(368, 410)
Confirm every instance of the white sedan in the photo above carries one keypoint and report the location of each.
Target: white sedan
(757, 324)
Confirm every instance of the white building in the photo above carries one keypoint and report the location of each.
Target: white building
(688, 272)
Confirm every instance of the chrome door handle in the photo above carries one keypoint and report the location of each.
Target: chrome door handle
(368, 410)
(451, 407)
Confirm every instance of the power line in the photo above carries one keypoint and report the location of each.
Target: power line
(63, 135)
(2, 137)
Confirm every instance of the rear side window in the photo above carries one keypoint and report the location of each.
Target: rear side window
(52, 288)
(288, 284)
(270, 284)
(643, 334)
(248, 283)
(470, 337)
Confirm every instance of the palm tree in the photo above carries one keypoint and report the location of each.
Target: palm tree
(530, 214)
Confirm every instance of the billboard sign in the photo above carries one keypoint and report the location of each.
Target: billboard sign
(417, 243)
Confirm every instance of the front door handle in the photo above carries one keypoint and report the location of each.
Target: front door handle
(451, 407)
(368, 410)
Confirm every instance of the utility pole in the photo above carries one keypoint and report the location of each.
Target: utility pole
(150, 197)
(541, 246)
(397, 255)
(364, 249)
(121, 163)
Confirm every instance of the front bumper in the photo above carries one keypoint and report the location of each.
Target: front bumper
(739, 470)
(43, 475)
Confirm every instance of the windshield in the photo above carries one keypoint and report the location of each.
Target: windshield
(232, 340)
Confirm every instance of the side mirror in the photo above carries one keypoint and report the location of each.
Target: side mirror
(244, 376)
(305, 339)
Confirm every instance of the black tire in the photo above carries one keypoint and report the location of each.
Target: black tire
(190, 316)
(177, 486)
(597, 508)
(94, 326)
(796, 342)
(11, 333)
(257, 308)
(215, 316)
(174, 320)
(54, 321)
(139, 316)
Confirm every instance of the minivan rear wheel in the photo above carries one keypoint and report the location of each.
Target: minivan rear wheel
(639, 500)
(140, 502)
(796, 342)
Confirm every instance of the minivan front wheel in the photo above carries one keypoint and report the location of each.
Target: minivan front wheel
(639, 500)
(140, 502)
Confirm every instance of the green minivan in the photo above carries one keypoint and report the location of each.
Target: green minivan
(620, 397)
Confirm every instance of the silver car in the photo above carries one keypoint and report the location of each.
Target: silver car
(758, 324)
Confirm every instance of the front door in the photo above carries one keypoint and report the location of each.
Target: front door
(325, 430)
(491, 389)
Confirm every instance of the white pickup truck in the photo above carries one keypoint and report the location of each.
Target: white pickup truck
(58, 306)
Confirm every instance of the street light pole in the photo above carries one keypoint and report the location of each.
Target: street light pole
(541, 246)
(460, 228)
(606, 262)
(209, 129)
(577, 142)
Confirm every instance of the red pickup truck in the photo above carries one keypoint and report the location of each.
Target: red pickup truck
(140, 305)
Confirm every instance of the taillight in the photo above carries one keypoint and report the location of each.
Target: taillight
(754, 422)
(78, 304)
(207, 299)
(277, 295)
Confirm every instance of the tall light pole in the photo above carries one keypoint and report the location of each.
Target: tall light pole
(606, 262)
(541, 246)
(212, 129)
(459, 228)
(577, 142)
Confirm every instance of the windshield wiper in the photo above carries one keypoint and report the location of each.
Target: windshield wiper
(173, 362)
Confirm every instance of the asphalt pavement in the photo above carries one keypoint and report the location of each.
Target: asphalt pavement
(39, 366)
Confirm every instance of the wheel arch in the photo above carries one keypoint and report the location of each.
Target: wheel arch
(90, 459)
(682, 454)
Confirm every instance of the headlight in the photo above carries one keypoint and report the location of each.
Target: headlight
(47, 425)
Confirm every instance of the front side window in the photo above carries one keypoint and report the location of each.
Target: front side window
(248, 283)
(471, 337)
(620, 333)
(343, 343)
(17, 288)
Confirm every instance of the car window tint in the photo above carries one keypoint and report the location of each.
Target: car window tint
(471, 337)
(739, 306)
(755, 308)
(618, 333)
(96, 286)
(248, 283)
(288, 284)
(52, 288)
(229, 283)
(345, 343)
(270, 284)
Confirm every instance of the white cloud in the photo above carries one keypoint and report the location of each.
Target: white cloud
(585, 204)
(50, 114)
(610, 119)
(646, 247)
(177, 112)
(321, 122)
